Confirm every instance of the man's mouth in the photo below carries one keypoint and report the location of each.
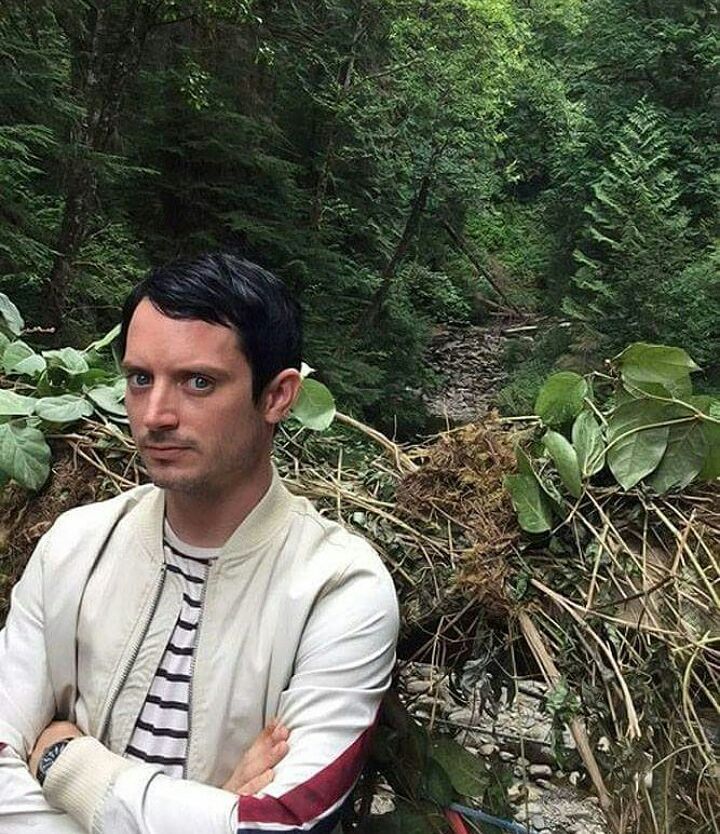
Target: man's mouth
(164, 449)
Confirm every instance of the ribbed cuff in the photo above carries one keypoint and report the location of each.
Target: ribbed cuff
(79, 779)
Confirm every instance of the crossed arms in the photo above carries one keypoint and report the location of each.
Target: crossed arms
(341, 672)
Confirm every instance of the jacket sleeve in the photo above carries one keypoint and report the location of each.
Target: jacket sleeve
(27, 706)
(342, 670)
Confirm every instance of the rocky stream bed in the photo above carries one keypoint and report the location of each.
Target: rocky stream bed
(513, 732)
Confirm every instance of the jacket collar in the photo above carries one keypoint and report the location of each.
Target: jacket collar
(268, 515)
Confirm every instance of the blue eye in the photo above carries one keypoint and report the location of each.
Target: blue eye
(198, 382)
(138, 379)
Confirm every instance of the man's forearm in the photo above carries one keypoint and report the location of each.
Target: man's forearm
(106, 792)
(23, 807)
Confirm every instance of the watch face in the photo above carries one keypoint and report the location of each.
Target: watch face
(49, 757)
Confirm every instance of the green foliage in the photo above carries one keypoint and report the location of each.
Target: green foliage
(530, 503)
(654, 433)
(428, 771)
(315, 405)
(561, 398)
(528, 366)
(636, 237)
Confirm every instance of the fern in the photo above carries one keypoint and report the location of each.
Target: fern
(635, 239)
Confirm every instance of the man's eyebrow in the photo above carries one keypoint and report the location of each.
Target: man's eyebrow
(199, 368)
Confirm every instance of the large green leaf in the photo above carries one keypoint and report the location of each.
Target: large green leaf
(315, 405)
(565, 460)
(711, 431)
(711, 465)
(16, 405)
(687, 448)
(530, 502)
(466, 772)
(105, 340)
(63, 409)
(436, 785)
(70, 360)
(10, 316)
(654, 368)
(636, 444)
(109, 398)
(561, 398)
(587, 439)
(20, 358)
(24, 455)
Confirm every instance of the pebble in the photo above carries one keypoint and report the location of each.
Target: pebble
(540, 795)
(545, 784)
(462, 716)
(535, 689)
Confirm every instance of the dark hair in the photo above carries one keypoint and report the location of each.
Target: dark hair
(227, 290)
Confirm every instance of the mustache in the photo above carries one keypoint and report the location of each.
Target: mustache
(164, 439)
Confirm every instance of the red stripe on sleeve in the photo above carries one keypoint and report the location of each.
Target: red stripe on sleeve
(310, 799)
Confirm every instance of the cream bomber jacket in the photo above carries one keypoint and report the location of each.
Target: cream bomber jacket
(299, 621)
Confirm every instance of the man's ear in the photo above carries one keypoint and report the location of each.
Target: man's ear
(280, 394)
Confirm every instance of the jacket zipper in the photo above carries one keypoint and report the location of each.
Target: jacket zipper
(133, 655)
(192, 671)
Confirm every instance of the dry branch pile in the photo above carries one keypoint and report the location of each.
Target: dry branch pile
(621, 614)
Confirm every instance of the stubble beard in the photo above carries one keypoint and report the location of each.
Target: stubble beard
(236, 467)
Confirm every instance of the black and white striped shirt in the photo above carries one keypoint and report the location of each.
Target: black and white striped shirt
(161, 732)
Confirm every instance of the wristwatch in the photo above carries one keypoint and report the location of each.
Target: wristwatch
(50, 756)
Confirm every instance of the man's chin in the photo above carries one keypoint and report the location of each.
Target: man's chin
(176, 482)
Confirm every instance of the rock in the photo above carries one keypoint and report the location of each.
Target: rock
(538, 822)
(535, 689)
(382, 804)
(469, 359)
(487, 749)
(505, 756)
(545, 784)
(516, 791)
(417, 686)
(540, 771)
(464, 716)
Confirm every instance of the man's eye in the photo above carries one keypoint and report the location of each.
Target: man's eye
(138, 379)
(198, 382)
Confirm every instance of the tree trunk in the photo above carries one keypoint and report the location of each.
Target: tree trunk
(464, 247)
(345, 80)
(106, 52)
(417, 208)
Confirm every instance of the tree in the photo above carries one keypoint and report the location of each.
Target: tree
(636, 238)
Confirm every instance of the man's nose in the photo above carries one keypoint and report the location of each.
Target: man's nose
(161, 412)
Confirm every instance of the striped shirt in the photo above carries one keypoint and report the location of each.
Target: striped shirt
(161, 732)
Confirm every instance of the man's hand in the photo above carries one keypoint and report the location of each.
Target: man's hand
(255, 770)
(56, 731)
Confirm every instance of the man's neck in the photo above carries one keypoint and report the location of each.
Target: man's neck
(209, 520)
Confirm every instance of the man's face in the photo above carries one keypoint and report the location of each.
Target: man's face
(189, 401)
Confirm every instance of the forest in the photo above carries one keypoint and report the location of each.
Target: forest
(399, 164)
(408, 166)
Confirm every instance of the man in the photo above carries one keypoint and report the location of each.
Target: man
(167, 627)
